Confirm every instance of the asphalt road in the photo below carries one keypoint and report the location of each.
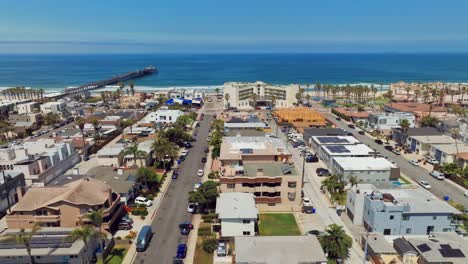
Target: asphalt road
(173, 208)
(439, 188)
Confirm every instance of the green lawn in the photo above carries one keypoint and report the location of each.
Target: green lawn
(201, 257)
(116, 256)
(282, 224)
(404, 181)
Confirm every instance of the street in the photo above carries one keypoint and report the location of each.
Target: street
(439, 188)
(173, 208)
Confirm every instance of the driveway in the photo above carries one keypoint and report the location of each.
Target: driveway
(173, 209)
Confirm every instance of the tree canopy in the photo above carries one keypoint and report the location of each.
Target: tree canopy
(336, 243)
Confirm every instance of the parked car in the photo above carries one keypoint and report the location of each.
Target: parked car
(316, 233)
(425, 185)
(308, 209)
(185, 228)
(192, 208)
(396, 152)
(203, 160)
(144, 237)
(127, 218)
(319, 169)
(378, 141)
(196, 186)
(311, 158)
(361, 132)
(200, 173)
(432, 161)
(124, 225)
(175, 174)
(221, 250)
(389, 148)
(306, 201)
(437, 174)
(323, 173)
(414, 162)
(181, 251)
(206, 150)
(338, 119)
(352, 126)
(143, 200)
(465, 193)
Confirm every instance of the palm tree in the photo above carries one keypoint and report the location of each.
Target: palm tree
(97, 127)
(455, 132)
(137, 154)
(405, 125)
(407, 89)
(374, 91)
(318, 87)
(85, 233)
(417, 93)
(163, 149)
(336, 243)
(425, 96)
(129, 123)
(217, 92)
(227, 97)
(254, 99)
(80, 122)
(353, 180)
(97, 219)
(132, 87)
(24, 237)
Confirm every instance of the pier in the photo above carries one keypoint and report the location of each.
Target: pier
(99, 84)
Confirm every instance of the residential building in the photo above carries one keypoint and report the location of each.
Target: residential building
(300, 117)
(65, 205)
(462, 159)
(408, 255)
(259, 94)
(379, 249)
(317, 141)
(384, 122)
(165, 116)
(463, 129)
(311, 132)
(352, 115)
(237, 213)
(249, 123)
(365, 169)
(260, 165)
(49, 245)
(328, 152)
(400, 138)
(28, 108)
(36, 118)
(9, 191)
(132, 101)
(447, 153)
(147, 161)
(53, 107)
(111, 155)
(40, 161)
(279, 249)
(417, 109)
(440, 248)
(399, 211)
(422, 144)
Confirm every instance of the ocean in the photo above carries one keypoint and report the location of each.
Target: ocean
(55, 72)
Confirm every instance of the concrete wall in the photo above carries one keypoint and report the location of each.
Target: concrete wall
(236, 227)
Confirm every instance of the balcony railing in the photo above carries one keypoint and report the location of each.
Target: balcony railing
(244, 179)
(268, 200)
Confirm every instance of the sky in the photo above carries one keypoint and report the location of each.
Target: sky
(240, 26)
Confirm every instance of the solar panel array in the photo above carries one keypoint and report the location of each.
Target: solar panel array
(448, 252)
(424, 248)
(338, 149)
(332, 140)
(39, 242)
(246, 151)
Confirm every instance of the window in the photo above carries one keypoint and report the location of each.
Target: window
(387, 231)
(246, 221)
(408, 230)
(447, 230)
(292, 184)
(231, 185)
(406, 218)
(392, 217)
(246, 233)
(434, 218)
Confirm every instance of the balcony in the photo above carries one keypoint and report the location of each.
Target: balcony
(267, 200)
(243, 179)
(47, 218)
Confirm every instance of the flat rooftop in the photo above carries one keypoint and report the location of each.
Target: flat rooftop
(348, 150)
(233, 148)
(364, 163)
(335, 140)
(452, 148)
(268, 169)
(438, 139)
(279, 249)
(236, 205)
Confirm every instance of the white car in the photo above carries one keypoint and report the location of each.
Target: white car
(414, 162)
(425, 185)
(196, 186)
(191, 208)
(200, 173)
(437, 174)
(432, 161)
(465, 193)
(306, 201)
(144, 201)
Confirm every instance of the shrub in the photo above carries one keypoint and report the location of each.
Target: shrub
(213, 175)
(142, 217)
(210, 245)
(150, 197)
(204, 231)
(208, 218)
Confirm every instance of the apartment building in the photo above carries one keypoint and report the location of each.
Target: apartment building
(65, 205)
(53, 107)
(40, 161)
(166, 116)
(262, 166)
(9, 197)
(237, 213)
(384, 122)
(328, 152)
(422, 144)
(244, 95)
(447, 153)
(366, 169)
(300, 117)
(398, 211)
(28, 108)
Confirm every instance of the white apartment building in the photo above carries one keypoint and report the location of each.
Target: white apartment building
(387, 121)
(166, 116)
(27, 108)
(40, 161)
(237, 213)
(53, 107)
(328, 152)
(259, 94)
(366, 169)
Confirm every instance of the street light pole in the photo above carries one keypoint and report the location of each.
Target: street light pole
(2, 168)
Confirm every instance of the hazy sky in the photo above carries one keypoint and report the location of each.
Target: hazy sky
(153, 26)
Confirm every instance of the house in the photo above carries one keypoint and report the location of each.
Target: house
(352, 115)
(53, 107)
(49, 245)
(244, 95)
(408, 254)
(237, 213)
(384, 122)
(447, 153)
(379, 249)
(279, 249)
(65, 205)
(166, 116)
(440, 248)
(261, 166)
(417, 109)
(399, 137)
(249, 123)
(422, 144)
(398, 211)
(463, 129)
(147, 161)
(111, 155)
(9, 191)
(365, 169)
(462, 159)
(40, 161)
(328, 152)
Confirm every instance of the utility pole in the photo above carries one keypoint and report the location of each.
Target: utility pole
(3, 168)
(303, 167)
